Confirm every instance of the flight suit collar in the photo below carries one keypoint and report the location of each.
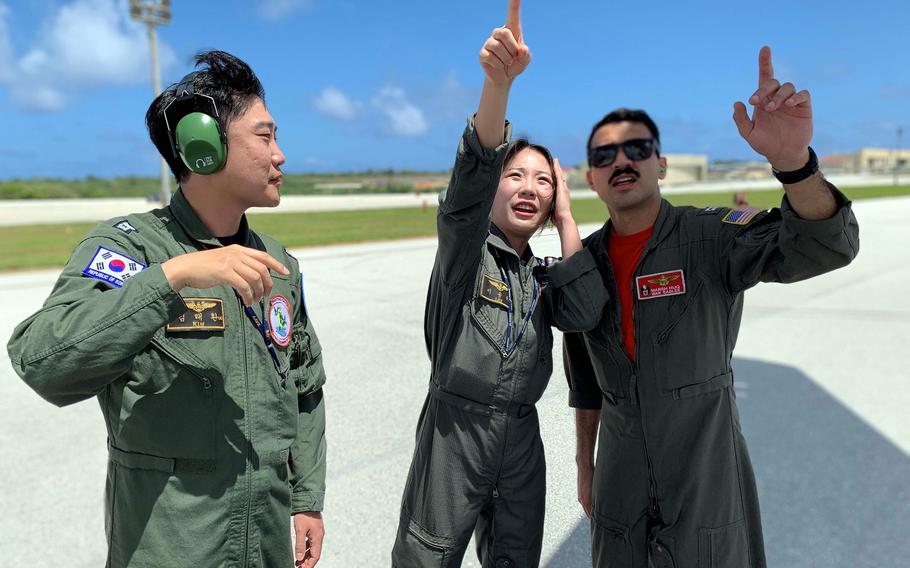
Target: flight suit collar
(498, 240)
(192, 224)
(663, 226)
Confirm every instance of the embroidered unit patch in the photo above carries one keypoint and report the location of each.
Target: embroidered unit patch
(741, 215)
(280, 320)
(495, 291)
(672, 283)
(202, 314)
(112, 267)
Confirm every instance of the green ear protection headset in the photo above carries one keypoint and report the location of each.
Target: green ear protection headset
(193, 129)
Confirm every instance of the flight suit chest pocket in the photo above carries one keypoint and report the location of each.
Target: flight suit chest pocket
(169, 406)
(689, 338)
(490, 307)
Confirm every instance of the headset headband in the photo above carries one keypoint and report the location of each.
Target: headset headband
(187, 101)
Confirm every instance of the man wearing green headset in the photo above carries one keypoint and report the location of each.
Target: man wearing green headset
(192, 332)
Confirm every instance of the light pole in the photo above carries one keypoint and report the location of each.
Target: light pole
(897, 156)
(155, 13)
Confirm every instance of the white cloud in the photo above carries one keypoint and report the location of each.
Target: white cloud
(85, 45)
(403, 118)
(277, 9)
(333, 103)
(451, 99)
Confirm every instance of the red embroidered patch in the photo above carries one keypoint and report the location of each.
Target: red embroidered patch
(670, 283)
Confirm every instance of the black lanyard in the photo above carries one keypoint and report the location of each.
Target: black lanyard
(260, 325)
(263, 326)
(511, 341)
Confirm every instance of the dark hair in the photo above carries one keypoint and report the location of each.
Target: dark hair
(523, 144)
(225, 78)
(627, 115)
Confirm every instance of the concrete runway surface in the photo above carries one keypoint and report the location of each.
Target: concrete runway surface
(14, 212)
(821, 378)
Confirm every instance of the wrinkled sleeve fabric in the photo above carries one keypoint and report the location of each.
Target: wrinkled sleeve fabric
(783, 247)
(583, 390)
(88, 331)
(463, 219)
(307, 456)
(575, 297)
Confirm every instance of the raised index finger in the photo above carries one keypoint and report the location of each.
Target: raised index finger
(765, 69)
(513, 21)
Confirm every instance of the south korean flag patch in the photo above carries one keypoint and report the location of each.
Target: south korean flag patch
(112, 267)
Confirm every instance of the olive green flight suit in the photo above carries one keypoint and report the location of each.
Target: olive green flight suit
(479, 461)
(210, 452)
(673, 484)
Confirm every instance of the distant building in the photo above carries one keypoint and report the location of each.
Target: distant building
(740, 170)
(880, 160)
(686, 168)
(837, 164)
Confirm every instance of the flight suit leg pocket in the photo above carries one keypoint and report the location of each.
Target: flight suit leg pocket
(724, 547)
(611, 544)
(415, 547)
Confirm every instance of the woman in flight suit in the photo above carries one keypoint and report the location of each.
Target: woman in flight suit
(479, 461)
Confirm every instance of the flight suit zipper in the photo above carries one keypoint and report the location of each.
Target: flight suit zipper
(249, 435)
(653, 506)
(633, 369)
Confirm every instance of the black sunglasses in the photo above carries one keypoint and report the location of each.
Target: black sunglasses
(635, 149)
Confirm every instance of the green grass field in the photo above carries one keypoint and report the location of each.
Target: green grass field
(38, 246)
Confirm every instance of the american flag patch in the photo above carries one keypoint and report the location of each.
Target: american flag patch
(741, 215)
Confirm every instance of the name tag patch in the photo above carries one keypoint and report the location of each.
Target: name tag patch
(202, 314)
(671, 283)
(741, 215)
(495, 291)
(112, 267)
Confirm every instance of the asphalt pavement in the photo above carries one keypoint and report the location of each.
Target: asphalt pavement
(821, 379)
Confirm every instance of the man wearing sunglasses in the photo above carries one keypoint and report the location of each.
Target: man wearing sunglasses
(673, 485)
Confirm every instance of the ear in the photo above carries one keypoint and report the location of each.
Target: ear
(663, 167)
(590, 178)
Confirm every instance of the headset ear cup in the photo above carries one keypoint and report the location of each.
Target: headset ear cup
(200, 144)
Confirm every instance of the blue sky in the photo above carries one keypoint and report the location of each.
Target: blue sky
(366, 84)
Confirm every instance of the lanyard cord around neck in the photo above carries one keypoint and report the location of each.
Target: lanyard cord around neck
(511, 340)
(263, 326)
(260, 324)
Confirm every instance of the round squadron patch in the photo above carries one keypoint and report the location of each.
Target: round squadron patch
(280, 320)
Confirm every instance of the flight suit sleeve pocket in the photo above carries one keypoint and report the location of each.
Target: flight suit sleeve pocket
(306, 360)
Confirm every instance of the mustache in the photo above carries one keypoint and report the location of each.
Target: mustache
(624, 171)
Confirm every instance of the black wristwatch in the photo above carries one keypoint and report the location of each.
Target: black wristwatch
(799, 175)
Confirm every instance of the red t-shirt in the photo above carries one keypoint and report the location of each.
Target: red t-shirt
(625, 252)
